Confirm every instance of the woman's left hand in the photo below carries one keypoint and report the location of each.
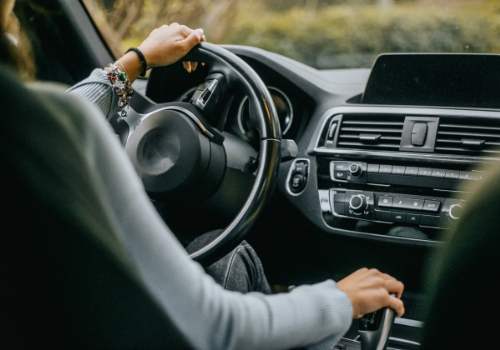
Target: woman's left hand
(167, 44)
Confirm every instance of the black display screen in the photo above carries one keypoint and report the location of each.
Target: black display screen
(451, 80)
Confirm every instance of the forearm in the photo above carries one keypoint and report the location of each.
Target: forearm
(98, 90)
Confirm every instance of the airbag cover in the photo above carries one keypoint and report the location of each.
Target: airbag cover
(168, 152)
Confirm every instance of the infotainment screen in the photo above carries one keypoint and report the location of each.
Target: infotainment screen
(451, 80)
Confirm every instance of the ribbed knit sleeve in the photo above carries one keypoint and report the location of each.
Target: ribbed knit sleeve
(98, 90)
(210, 317)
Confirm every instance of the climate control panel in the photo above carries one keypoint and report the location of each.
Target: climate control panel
(395, 208)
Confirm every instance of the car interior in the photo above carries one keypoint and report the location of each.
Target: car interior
(323, 172)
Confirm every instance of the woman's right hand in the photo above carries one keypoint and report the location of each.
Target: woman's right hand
(369, 290)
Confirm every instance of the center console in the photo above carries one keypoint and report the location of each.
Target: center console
(379, 168)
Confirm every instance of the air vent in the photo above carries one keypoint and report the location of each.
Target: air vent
(468, 136)
(371, 131)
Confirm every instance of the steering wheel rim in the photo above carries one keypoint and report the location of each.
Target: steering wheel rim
(239, 74)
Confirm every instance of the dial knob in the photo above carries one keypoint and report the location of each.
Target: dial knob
(455, 211)
(355, 170)
(358, 203)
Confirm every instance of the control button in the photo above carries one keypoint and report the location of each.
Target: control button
(398, 217)
(398, 202)
(340, 166)
(431, 206)
(438, 173)
(418, 134)
(385, 202)
(385, 169)
(298, 178)
(414, 204)
(412, 218)
(399, 170)
(465, 175)
(355, 169)
(300, 167)
(373, 168)
(452, 174)
(427, 220)
(383, 215)
(411, 170)
(478, 175)
(339, 208)
(339, 198)
(358, 203)
(424, 171)
(340, 175)
(298, 182)
(455, 211)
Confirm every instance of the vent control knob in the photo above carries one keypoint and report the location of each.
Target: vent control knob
(355, 169)
(455, 211)
(358, 203)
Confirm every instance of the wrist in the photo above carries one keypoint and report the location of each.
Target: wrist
(142, 60)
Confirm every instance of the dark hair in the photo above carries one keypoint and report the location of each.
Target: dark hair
(18, 56)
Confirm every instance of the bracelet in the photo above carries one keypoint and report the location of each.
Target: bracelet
(121, 85)
(144, 64)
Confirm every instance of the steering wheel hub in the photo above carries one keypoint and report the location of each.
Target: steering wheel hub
(173, 156)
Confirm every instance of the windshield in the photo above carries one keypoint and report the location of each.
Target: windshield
(324, 34)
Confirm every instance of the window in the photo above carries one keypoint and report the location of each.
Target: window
(321, 33)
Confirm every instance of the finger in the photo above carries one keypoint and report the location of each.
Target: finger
(397, 305)
(193, 38)
(187, 66)
(184, 31)
(194, 65)
(173, 24)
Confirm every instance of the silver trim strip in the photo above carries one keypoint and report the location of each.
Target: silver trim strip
(409, 323)
(211, 87)
(404, 341)
(186, 112)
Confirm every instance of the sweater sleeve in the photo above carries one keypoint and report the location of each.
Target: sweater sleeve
(98, 90)
(210, 317)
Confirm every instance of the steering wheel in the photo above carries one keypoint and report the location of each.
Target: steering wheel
(178, 151)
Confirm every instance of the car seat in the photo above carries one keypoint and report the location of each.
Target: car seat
(65, 280)
(463, 274)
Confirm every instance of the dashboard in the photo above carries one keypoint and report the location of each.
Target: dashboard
(380, 158)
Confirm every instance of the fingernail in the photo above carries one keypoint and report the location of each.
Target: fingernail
(200, 30)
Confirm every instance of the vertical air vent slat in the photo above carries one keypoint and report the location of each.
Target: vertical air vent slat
(468, 136)
(371, 131)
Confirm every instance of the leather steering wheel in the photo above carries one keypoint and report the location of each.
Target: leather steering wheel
(178, 151)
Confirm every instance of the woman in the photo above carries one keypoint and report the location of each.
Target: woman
(70, 141)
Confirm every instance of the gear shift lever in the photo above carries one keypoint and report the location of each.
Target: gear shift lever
(374, 329)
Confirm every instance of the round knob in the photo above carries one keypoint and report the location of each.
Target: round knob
(455, 211)
(355, 170)
(358, 203)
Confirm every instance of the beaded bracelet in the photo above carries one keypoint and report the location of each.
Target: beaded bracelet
(144, 64)
(121, 85)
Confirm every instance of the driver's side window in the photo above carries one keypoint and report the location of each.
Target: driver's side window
(125, 23)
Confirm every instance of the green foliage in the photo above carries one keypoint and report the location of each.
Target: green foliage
(342, 36)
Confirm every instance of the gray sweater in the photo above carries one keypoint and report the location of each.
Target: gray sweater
(210, 317)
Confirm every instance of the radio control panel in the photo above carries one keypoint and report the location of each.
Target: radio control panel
(360, 172)
(395, 208)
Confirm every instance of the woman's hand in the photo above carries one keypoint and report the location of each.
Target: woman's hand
(165, 45)
(369, 291)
